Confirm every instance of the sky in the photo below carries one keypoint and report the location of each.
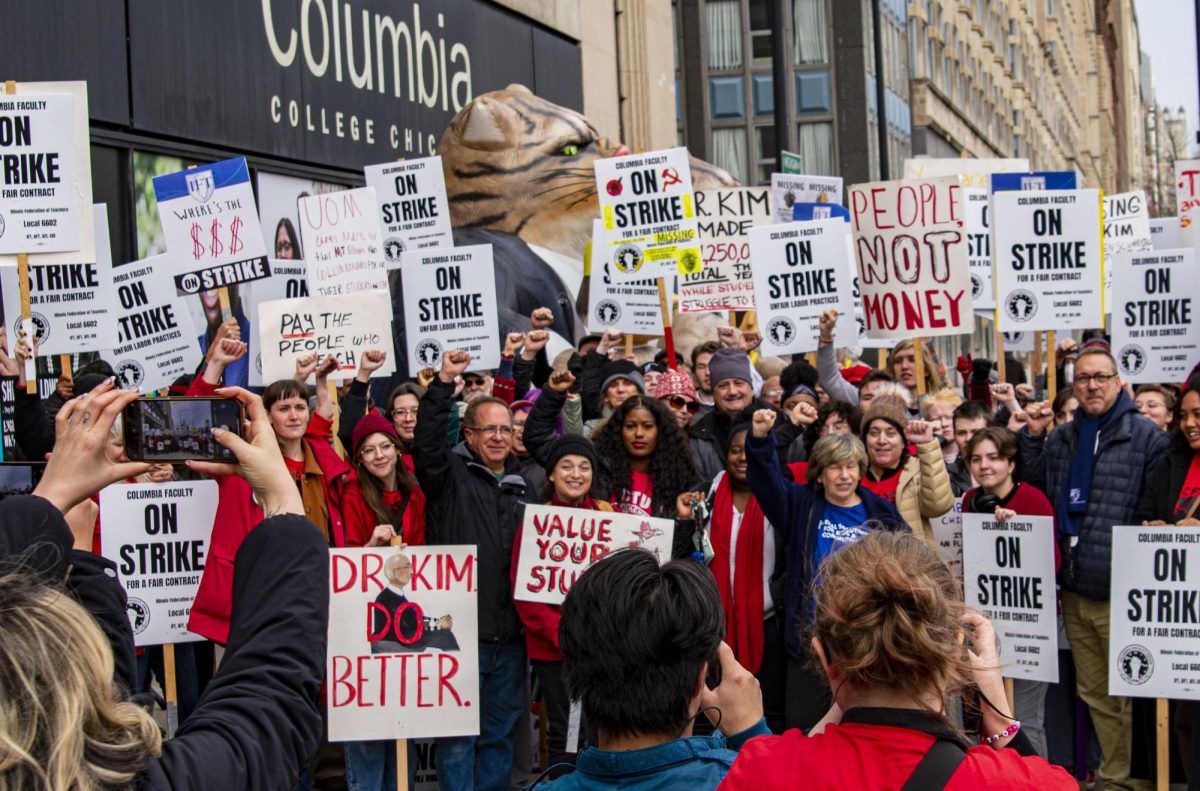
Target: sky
(1168, 32)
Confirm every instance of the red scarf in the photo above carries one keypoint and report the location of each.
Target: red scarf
(743, 605)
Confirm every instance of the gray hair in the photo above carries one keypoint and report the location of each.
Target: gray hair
(836, 449)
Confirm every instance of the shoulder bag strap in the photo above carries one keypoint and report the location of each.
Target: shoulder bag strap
(937, 767)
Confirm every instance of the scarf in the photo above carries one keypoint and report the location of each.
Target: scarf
(1073, 500)
(743, 602)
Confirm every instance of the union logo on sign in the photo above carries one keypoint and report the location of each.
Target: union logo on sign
(200, 185)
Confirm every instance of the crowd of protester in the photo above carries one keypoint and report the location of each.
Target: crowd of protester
(808, 631)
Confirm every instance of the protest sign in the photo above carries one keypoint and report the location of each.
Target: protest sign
(979, 249)
(156, 339)
(1187, 202)
(1154, 637)
(1155, 337)
(157, 534)
(288, 280)
(1008, 571)
(1126, 230)
(801, 270)
(1033, 182)
(450, 303)
(1018, 341)
(8, 418)
(1048, 259)
(1164, 233)
(558, 544)
(911, 248)
(788, 189)
(211, 226)
(972, 173)
(413, 209)
(46, 181)
(342, 326)
(726, 281)
(403, 657)
(343, 244)
(72, 306)
(649, 214)
(279, 211)
(947, 532)
(629, 306)
(803, 212)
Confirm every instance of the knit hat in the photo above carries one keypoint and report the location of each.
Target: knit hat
(570, 445)
(889, 408)
(372, 423)
(622, 369)
(87, 382)
(729, 363)
(856, 373)
(675, 383)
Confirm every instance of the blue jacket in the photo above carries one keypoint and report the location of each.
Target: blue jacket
(695, 763)
(795, 511)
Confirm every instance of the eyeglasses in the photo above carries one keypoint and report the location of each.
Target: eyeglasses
(1086, 379)
(505, 431)
(772, 393)
(403, 412)
(473, 382)
(679, 402)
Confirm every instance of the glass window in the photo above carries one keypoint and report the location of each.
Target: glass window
(723, 30)
(816, 149)
(726, 98)
(764, 96)
(764, 153)
(729, 151)
(810, 41)
(760, 32)
(150, 239)
(813, 93)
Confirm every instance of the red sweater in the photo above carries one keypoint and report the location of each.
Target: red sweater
(881, 758)
(361, 520)
(1026, 500)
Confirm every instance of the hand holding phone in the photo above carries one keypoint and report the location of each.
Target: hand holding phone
(177, 429)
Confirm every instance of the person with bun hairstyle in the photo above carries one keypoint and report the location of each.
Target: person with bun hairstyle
(893, 638)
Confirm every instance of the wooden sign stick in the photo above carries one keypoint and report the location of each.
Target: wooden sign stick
(402, 765)
(171, 689)
(664, 306)
(1051, 363)
(919, 360)
(64, 362)
(1162, 744)
(27, 323)
(1037, 364)
(628, 345)
(1000, 370)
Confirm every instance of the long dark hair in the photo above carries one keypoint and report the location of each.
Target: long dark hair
(372, 489)
(286, 224)
(671, 470)
(235, 310)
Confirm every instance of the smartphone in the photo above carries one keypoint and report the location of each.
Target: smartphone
(20, 477)
(178, 429)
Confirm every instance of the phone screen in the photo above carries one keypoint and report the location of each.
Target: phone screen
(178, 429)
(19, 477)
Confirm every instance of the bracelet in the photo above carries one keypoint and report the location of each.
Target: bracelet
(1004, 734)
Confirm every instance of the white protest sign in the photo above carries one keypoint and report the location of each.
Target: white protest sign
(979, 249)
(910, 242)
(1154, 635)
(649, 214)
(211, 226)
(1018, 341)
(45, 181)
(1164, 233)
(288, 280)
(726, 281)
(1008, 571)
(1187, 202)
(450, 303)
(1126, 230)
(558, 544)
(158, 534)
(788, 189)
(342, 326)
(1155, 337)
(403, 657)
(947, 532)
(156, 338)
(629, 306)
(343, 243)
(801, 270)
(971, 172)
(1048, 259)
(72, 306)
(413, 208)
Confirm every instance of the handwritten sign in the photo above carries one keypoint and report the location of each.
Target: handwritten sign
(911, 244)
(343, 244)
(342, 327)
(788, 189)
(403, 657)
(1156, 337)
(288, 280)
(629, 306)
(450, 303)
(412, 205)
(947, 532)
(725, 219)
(156, 338)
(972, 173)
(558, 544)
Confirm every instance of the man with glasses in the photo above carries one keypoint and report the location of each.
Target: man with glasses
(1093, 469)
(475, 495)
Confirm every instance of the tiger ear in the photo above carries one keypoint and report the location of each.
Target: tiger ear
(489, 125)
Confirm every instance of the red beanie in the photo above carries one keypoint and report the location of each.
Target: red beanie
(372, 423)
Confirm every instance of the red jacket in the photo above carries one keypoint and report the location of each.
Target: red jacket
(238, 513)
(361, 520)
(881, 758)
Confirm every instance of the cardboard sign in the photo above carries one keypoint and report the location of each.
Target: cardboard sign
(1008, 570)
(288, 280)
(1154, 636)
(1126, 230)
(911, 247)
(649, 214)
(413, 208)
(158, 534)
(1155, 335)
(979, 249)
(72, 306)
(802, 269)
(1049, 260)
(1164, 233)
(211, 226)
(45, 181)
(558, 544)
(403, 657)
(726, 282)
(343, 327)
(1033, 182)
(629, 306)
(788, 189)
(450, 303)
(156, 338)
(947, 532)
(972, 173)
(343, 244)
(1187, 201)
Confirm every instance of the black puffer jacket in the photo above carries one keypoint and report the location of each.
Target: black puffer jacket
(465, 504)
(709, 438)
(1126, 453)
(1164, 484)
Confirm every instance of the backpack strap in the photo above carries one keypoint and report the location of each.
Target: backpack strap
(942, 759)
(937, 767)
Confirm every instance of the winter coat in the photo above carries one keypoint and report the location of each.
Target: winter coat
(709, 438)
(924, 491)
(1163, 485)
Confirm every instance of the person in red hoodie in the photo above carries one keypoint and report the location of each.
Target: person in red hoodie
(570, 465)
(889, 633)
(387, 503)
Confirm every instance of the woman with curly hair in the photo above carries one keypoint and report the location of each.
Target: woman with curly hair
(644, 460)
